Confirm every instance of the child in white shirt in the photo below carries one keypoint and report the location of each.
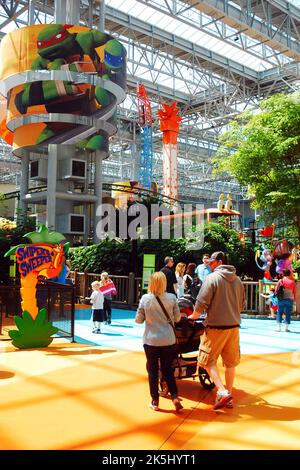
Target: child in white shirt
(97, 300)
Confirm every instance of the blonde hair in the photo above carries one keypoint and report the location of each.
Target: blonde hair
(95, 285)
(157, 283)
(104, 275)
(180, 269)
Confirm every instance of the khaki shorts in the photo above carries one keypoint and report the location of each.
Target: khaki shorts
(216, 342)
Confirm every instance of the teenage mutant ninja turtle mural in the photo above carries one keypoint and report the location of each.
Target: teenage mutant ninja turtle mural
(79, 72)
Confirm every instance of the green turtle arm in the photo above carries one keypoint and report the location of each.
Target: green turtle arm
(56, 64)
(89, 40)
(39, 64)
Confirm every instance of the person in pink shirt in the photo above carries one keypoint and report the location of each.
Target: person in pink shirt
(285, 304)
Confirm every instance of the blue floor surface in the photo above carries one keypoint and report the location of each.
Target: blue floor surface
(257, 336)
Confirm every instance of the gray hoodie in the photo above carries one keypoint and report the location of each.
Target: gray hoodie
(222, 295)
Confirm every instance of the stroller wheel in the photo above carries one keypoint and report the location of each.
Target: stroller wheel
(205, 379)
(164, 391)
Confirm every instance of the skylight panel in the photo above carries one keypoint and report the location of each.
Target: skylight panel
(190, 33)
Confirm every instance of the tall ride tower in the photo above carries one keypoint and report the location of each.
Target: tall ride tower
(146, 138)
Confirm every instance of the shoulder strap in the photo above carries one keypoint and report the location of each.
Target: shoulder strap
(166, 313)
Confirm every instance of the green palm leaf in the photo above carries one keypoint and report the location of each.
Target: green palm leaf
(43, 235)
(33, 333)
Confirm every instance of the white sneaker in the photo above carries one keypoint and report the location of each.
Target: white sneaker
(278, 328)
(154, 405)
(222, 399)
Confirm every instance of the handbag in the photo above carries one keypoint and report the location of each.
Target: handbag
(280, 292)
(167, 316)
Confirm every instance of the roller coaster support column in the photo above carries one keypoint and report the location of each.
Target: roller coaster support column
(101, 15)
(60, 11)
(98, 191)
(51, 186)
(24, 184)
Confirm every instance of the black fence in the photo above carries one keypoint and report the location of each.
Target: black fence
(58, 299)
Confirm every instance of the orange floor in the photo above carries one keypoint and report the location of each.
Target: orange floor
(74, 396)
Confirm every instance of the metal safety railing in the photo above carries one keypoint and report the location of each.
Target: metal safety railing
(129, 290)
(58, 299)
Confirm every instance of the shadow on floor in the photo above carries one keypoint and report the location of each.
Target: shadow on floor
(6, 375)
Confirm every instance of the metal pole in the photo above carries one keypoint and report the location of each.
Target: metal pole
(97, 190)
(73, 11)
(51, 185)
(24, 184)
(135, 156)
(60, 11)
(102, 15)
(91, 8)
(31, 12)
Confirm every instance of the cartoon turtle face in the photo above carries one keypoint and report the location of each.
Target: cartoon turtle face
(114, 55)
(55, 42)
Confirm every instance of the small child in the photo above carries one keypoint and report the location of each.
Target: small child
(97, 300)
(272, 301)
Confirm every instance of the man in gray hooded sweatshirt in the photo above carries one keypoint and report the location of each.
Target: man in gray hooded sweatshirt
(222, 296)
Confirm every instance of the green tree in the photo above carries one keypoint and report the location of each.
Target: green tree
(262, 151)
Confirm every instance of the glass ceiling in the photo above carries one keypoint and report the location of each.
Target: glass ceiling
(188, 32)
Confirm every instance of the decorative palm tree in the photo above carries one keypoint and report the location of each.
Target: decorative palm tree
(33, 329)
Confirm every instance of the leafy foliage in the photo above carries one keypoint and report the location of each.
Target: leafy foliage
(12, 237)
(115, 256)
(32, 333)
(262, 151)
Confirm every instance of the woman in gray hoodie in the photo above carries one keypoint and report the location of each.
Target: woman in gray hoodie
(159, 338)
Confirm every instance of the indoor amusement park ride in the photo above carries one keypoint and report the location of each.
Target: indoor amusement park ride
(60, 84)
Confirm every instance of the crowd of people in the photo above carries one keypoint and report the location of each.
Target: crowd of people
(218, 296)
(219, 293)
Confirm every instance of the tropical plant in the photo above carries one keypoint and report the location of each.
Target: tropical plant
(11, 236)
(114, 256)
(262, 151)
(32, 333)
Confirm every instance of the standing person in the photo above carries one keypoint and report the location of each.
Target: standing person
(159, 337)
(285, 302)
(188, 277)
(108, 289)
(272, 301)
(97, 301)
(222, 296)
(203, 270)
(170, 275)
(179, 273)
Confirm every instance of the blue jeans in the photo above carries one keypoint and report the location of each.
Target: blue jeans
(284, 306)
(164, 355)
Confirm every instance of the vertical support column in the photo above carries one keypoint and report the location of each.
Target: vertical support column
(51, 185)
(98, 190)
(260, 297)
(102, 15)
(24, 184)
(60, 12)
(31, 12)
(91, 9)
(73, 11)
(135, 156)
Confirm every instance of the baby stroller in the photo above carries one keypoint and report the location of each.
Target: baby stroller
(188, 334)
